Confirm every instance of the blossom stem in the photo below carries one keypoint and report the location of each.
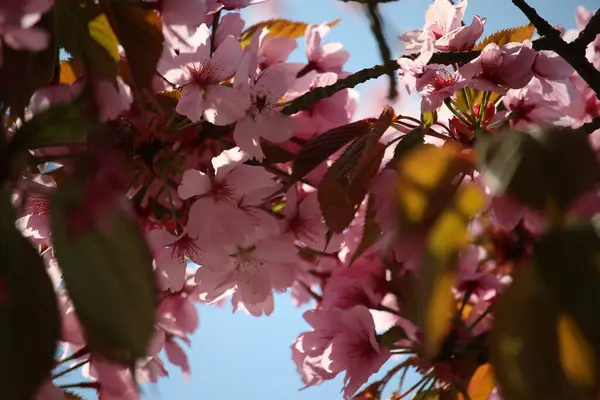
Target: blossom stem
(81, 385)
(215, 26)
(71, 369)
(456, 113)
(479, 318)
(426, 379)
(381, 307)
(79, 353)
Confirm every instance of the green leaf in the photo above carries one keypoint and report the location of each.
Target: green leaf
(63, 124)
(142, 39)
(278, 28)
(74, 18)
(23, 72)
(371, 231)
(428, 119)
(568, 262)
(554, 166)
(107, 270)
(29, 316)
(524, 342)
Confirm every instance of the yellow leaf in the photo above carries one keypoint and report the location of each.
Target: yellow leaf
(439, 311)
(278, 27)
(415, 180)
(70, 70)
(576, 353)
(450, 235)
(482, 383)
(517, 34)
(101, 32)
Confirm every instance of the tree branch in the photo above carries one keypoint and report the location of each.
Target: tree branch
(384, 49)
(588, 34)
(309, 98)
(570, 52)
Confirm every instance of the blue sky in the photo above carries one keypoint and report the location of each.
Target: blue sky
(237, 356)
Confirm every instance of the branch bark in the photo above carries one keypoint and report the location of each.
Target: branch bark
(574, 52)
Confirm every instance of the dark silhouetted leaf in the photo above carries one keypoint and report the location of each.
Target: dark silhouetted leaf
(275, 154)
(107, 270)
(141, 37)
(23, 72)
(29, 316)
(371, 231)
(524, 345)
(568, 262)
(77, 21)
(554, 166)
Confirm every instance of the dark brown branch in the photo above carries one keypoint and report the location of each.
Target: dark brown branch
(570, 52)
(384, 49)
(590, 127)
(308, 99)
(589, 33)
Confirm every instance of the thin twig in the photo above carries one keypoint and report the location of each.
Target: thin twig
(384, 49)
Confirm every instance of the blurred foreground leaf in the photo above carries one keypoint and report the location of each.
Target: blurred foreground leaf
(107, 269)
(29, 316)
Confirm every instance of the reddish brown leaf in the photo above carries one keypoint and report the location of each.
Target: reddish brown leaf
(323, 146)
(345, 184)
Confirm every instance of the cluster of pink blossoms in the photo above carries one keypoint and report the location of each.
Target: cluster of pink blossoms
(204, 197)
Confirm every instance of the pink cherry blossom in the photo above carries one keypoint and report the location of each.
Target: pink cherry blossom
(531, 107)
(231, 24)
(304, 220)
(345, 339)
(444, 27)
(498, 68)
(223, 206)
(443, 23)
(328, 57)
(176, 356)
(112, 100)
(416, 72)
(263, 119)
(200, 75)
(274, 49)
(441, 85)
(48, 391)
(115, 380)
(178, 315)
(254, 268)
(171, 253)
(17, 20)
(326, 113)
